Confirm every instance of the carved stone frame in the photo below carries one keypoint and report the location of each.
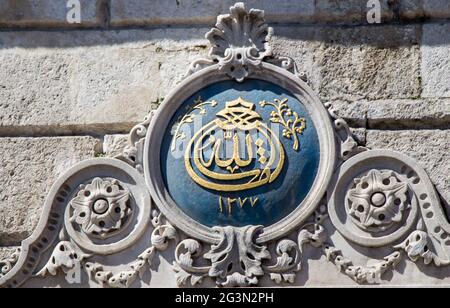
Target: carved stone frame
(240, 256)
(210, 75)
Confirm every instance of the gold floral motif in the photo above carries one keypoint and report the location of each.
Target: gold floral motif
(189, 118)
(292, 127)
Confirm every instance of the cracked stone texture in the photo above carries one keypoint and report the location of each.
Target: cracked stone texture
(430, 148)
(20, 13)
(28, 168)
(436, 60)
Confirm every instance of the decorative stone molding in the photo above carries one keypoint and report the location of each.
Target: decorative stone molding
(216, 210)
(377, 201)
(6, 265)
(101, 208)
(240, 42)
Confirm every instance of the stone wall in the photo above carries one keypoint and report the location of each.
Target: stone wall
(72, 91)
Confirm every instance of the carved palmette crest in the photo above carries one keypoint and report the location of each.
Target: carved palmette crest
(235, 151)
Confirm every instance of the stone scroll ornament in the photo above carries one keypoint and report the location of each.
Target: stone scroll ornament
(235, 181)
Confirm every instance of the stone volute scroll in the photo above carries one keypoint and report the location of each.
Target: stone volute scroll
(237, 180)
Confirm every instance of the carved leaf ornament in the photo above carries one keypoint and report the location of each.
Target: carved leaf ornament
(239, 148)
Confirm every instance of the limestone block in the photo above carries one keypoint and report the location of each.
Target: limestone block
(354, 113)
(436, 60)
(28, 168)
(356, 63)
(136, 12)
(113, 145)
(395, 113)
(6, 252)
(200, 11)
(430, 148)
(437, 8)
(417, 114)
(105, 85)
(32, 13)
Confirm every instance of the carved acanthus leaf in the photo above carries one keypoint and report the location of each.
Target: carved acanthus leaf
(417, 246)
(362, 274)
(161, 236)
(237, 254)
(184, 267)
(7, 264)
(288, 262)
(66, 256)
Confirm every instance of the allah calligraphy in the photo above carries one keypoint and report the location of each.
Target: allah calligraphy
(237, 151)
(234, 152)
(292, 127)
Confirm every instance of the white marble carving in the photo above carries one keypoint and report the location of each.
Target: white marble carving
(99, 218)
(101, 207)
(240, 42)
(377, 201)
(7, 264)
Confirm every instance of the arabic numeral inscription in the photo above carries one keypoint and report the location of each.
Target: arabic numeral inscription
(228, 203)
(293, 125)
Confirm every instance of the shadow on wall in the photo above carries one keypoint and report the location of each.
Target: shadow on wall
(114, 22)
(381, 36)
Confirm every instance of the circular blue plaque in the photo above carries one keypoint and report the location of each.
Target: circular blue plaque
(240, 154)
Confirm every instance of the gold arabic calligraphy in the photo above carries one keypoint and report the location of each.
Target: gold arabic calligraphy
(256, 162)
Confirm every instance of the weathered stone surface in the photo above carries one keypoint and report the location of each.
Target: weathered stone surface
(430, 148)
(125, 73)
(114, 145)
(28, 168)
(395, 113)
(136, 12)
(436, 60)
(204, 12)
(437, 8)
(354, 113)
(359, 134)
(418, 114)
(356, 63)
(138, 68)
(430, 9)
(359, 63)
(32, 13)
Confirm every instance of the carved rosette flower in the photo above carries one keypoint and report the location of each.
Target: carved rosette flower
(377, 201)
(240, 41)
(101, 208)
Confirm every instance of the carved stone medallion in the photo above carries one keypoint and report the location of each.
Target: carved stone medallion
(239, 153)
(246, 167)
